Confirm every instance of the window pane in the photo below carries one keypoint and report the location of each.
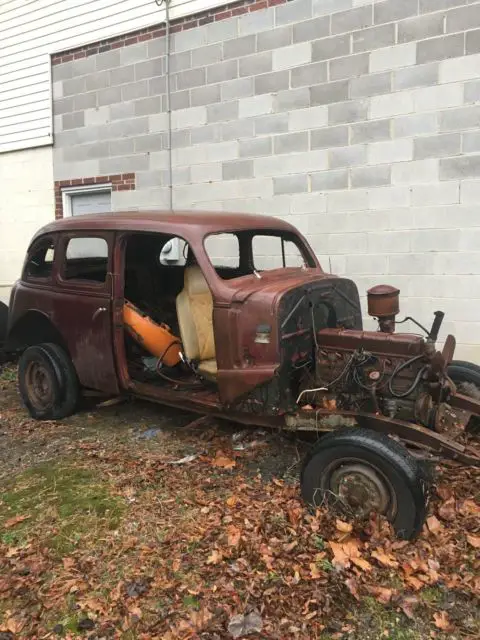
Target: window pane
(90, 202)
(40, 261)
(271, 252)
(223, 250)
(86, 259)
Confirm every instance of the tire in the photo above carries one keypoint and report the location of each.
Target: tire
(466, 376)
(373, 472)
(48, 382)
(3, 322)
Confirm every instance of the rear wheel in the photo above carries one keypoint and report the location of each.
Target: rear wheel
(360, 472)
(48, 382)
(466, 376)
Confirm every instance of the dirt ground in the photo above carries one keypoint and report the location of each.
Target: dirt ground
(129, 522)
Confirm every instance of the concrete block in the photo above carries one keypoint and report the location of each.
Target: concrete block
(63, 106)
(209, 133)
(391, 197)
(181, 99)
(96, 117)
(366, 264)
(239, 88)
(437, 146)
(134, 53)
(122, 75)
(221, 71)
(413, 264)
(274, 39)
(329, 137)
(309, 203)
(425, 6)
(57, 90)
(463, 18)
(309, 30)
(257, 64)
(237, 169)
(302, 119)
(293, 163)
(352, 200)
(362, 177)
(255, 106)
(460, 119)
(460, 69)
(255, 147)
(122, 110)
(441, 48)
(180, 138)
(205, 95)
(292, 99)
(351, 20)
(309, 75)
(370, 131)
(292, 56)
(391, 10)
(158, 87)
(436, 240)
(329, 180)
(277, 123)
(388, 58)
(471, 142)
(347, 243)
(444, 193)
(349, 66)
(75, 86)
(470, 192)
(390, 151)
(146, 106)
(190, 39)
(149, 68)
(190, 78)
(438, 97)
(370, 85)
(193, 117)
(255, 21)
(73, 120)
(107, 60)
(353, 111)
(416, 172)
(150, 142)
(334, 47)
(347, 156)
(220, 31)
(237, 129)
(291, 142)
(394, 104)
(238, 47)
(373, 38)
(271, 82)
(293, 12)
(203, 56)
(472, 42)
(326, 7)
(290, 184)
(134, 91)
(420, 27)
(223, 111)
(126, 128)
(424, 75)
(123, 164)
(211, 172)
(407, 126)
(389, 242)
(62, 71)
(329, 92)
(149, 179)
(156, 47)
(121, 147)
(460, 167)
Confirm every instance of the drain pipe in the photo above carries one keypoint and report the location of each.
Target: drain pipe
(168, 100)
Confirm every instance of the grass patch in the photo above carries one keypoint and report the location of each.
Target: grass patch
(8, 374)
(384, 622)
(67, 501)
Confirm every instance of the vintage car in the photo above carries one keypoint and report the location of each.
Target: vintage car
(233, 316)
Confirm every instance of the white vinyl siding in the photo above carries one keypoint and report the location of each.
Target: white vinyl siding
(31, 30)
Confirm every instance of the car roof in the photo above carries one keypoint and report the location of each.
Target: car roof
(182, 223)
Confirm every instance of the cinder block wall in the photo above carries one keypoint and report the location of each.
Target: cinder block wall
(357, 121)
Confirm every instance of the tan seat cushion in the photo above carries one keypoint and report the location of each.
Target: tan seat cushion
(195, 317)
(208, 368)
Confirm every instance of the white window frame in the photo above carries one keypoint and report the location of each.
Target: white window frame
(68, 192)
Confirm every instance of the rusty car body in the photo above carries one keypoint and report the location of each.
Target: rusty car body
(267, 338)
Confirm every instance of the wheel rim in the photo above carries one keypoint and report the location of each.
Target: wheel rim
(359, 488)
(39, 385)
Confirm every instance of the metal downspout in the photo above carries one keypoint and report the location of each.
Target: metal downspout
(168, 100)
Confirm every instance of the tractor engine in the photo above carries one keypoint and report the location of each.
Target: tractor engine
(401, 376)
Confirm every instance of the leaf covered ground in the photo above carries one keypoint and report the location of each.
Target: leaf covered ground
(126, 522)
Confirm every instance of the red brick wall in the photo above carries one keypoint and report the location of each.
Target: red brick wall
(158, 31)
(119, 182)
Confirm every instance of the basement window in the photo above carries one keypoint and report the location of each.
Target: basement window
(89, 199)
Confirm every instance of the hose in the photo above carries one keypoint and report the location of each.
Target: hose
(415, 382)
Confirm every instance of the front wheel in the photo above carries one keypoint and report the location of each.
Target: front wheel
(47, 382)
(466, 376)
(361, 472)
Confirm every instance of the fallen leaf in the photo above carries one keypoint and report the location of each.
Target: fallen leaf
(408, 605)
(14, 625)
(387, 560)
(244, 625)
(8, 524)
(434, 525)
(232, 501)
(474, 541)
(447, 510)
(223, 462)
(469, 508)
(200, 619)
(361, 563)
(441, 620)
(382, 594)
(340, 558)
(344, 527)
(415, 582)
(135, 611)
(176, 564)
(233, 535)
(314, 571)
(215, 557)
(353, 587)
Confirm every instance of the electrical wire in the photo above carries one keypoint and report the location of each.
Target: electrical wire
(412, 387)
